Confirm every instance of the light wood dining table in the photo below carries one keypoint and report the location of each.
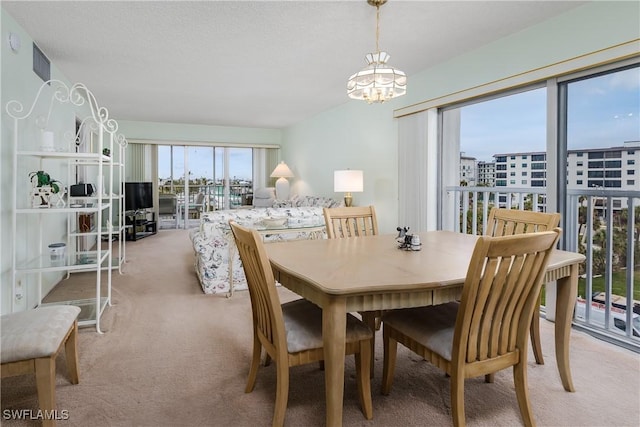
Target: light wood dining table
(372, 273)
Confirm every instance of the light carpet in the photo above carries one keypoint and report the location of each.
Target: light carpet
(173, 356)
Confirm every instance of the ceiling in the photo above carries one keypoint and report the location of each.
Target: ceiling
(267, 64)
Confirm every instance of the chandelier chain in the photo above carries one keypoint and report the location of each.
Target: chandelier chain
(377, 28)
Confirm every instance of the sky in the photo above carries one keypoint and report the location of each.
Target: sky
(603, 112)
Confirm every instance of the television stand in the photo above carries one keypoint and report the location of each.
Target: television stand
(138, 225)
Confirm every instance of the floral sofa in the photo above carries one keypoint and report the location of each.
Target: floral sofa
(213, 239)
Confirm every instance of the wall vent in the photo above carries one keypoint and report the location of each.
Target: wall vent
(41, 64)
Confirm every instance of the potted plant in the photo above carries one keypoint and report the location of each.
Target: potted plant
(43, 187)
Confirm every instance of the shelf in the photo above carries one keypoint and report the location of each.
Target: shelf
(63, 155)
(85, 142)
(66, 209)
(87, 309)
(78, 261)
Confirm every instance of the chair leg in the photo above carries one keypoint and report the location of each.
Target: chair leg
(364, 379)
(457, 399)
(534, 331)
(282, 391)
(255, 363)
(71, 354)
(489, 378)
(390, 352)
(46, 385)
(522, 392)
(369, 318)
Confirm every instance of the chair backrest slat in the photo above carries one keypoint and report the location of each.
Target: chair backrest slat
(499, 295)
(351, 222)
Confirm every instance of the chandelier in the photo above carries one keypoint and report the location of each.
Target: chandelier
(378, 81)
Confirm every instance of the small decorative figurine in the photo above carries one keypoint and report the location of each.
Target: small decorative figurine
(408, 242)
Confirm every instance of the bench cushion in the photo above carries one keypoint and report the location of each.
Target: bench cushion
(35, 333)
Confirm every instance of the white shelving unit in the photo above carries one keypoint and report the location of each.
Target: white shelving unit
(31, 149)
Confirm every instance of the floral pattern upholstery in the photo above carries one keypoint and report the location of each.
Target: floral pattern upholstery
(212, 240)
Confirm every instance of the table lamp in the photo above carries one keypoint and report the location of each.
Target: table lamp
(282, 172)
(348, 181)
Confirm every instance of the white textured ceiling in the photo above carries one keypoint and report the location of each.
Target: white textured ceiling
(252, 64)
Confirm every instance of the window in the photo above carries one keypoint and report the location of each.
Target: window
(538, 165)
(512, 182)
(512, 174)
(524, 182)
(512, 165)
(501, 159)
(612, 174)
(631, 172)
(501, 167)
(613, 184)
(513, 157)
(538, 174)
(612, 164)
(501, 182)
(579, 154)
(223, 185)
(538, 157)
(524, 157)
(537, 183)
(579, 182)
(579, 173)
(596, 155)
(501, 175)
(631, 182)
(596, 174)
(524, 173)
(579, 164)
(631, 162)
(594, 165)
(524, 165)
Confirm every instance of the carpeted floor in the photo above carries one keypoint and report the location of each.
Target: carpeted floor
(172, 356)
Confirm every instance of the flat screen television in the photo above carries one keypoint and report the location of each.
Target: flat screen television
(138, 195)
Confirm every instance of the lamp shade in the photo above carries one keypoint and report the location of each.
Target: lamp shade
(348, 181)
(282, 171)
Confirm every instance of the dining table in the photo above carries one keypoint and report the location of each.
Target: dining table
(373, 273)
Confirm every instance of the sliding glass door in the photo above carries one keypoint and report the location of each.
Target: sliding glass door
(205, 178)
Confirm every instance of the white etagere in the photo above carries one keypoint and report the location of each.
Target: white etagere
(105, 207)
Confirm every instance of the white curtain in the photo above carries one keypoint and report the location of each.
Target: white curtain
(418, 171)
(264, 162)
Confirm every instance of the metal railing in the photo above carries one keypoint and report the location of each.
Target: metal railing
(216, 196)
(602, 224)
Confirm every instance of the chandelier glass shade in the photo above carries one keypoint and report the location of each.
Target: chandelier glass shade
(378, 81)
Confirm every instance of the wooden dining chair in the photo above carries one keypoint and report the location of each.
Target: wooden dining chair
(351, 221)
(505, 222)
(291, 333)
(487, 330)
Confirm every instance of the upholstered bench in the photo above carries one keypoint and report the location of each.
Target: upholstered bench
(30, 342)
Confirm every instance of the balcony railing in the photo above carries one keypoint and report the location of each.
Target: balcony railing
(602, 224)
(217, 196)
